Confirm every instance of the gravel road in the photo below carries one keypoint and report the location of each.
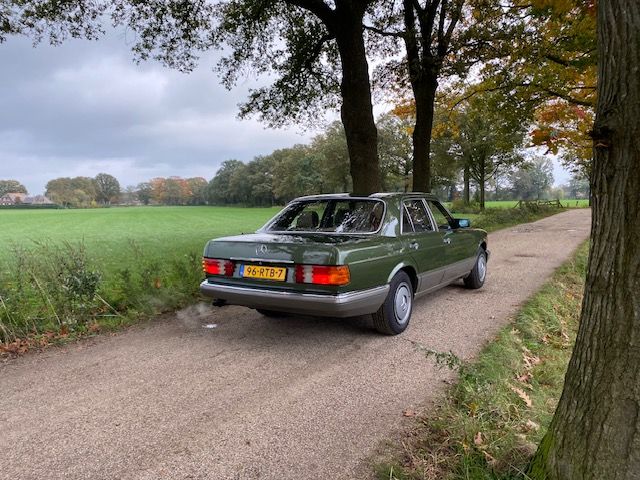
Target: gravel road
(252, 397)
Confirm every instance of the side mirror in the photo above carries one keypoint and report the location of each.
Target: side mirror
(462, 223)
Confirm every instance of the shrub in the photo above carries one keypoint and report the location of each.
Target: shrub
(458, 206)
(58, 289)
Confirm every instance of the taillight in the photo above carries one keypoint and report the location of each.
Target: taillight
(216, 266)
(323, 275)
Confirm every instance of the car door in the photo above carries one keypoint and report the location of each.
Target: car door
(423, 242)
(460, 249)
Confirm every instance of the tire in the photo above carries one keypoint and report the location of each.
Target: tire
(393, 316)
(476, 277)
(269, 313)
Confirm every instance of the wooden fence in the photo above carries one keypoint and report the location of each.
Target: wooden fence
(533, 204)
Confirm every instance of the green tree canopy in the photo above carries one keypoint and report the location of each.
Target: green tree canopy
(107, 188)
(11, 186)
(533, 179)
(72, 192)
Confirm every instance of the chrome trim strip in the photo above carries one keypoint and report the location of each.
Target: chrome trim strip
(269, 260)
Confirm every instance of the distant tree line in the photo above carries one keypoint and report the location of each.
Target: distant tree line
(171, 191)
(480, 162)
(474, 158)
(104, 189)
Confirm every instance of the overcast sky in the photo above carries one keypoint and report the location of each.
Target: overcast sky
(84, 107)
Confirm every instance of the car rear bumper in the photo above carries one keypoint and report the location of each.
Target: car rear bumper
(350, 304)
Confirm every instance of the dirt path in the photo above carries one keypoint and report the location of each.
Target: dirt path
(290, 398)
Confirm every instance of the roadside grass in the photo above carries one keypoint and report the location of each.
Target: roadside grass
(492, 219)
(68, 273)
(489, 424)
(566, 202)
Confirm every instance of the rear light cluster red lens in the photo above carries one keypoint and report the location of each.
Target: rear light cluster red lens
(323, 275)
(216, 266)
(314, 274)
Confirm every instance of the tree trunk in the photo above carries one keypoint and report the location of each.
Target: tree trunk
(482, 178)
(595, 433)
(467, 178)
(357, 110)
(424, 91)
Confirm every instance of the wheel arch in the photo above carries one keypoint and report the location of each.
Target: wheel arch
(410, 270)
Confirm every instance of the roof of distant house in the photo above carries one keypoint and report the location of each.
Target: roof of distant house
(13, 196)
(17, 197)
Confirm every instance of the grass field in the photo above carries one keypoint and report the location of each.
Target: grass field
(111, 235)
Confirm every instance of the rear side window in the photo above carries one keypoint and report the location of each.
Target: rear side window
(417, 213)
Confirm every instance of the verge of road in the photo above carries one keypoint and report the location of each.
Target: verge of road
(250, 397)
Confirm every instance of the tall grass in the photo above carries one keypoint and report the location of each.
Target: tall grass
(492, 219)
(59, 290)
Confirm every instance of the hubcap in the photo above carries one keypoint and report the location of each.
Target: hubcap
(402, 303)
(482, 267)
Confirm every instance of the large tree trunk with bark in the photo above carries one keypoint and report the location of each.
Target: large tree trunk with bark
(595, 433)
(357, 109)
(482, 179)
(424, 91)
(467, 180)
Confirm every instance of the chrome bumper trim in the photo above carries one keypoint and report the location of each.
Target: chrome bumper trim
(350, 304)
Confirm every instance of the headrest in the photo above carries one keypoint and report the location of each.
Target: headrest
(308, 220)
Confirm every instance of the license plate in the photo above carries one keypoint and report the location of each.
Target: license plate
(264, 273)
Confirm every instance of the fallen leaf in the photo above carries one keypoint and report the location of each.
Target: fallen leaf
(525, 398)
(529, 359)
(490, 460)
(409, 413)
(531, 425)
(525, 377)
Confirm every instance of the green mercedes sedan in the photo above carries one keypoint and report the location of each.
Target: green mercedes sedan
(343, 256)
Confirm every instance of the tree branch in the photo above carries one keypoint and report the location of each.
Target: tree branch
(547, 90)
(413, 55)
(317, 7)
(384, 33)
(426, 25)
(442, 50)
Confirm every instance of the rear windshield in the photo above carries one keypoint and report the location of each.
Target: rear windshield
(333, 216)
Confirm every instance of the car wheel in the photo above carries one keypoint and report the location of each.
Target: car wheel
(476, 277)
(269, 313)
(393, 316)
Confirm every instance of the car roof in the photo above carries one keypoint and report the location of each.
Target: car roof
(379, 195)
(403, 195)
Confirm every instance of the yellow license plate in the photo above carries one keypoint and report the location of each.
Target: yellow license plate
(264, 273)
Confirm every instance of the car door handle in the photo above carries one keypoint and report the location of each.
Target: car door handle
(446, 241)
(414, 245)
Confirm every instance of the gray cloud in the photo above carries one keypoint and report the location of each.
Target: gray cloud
(85, 107)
